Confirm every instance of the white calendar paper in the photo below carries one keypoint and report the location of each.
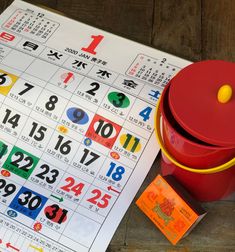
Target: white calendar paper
(77, 138)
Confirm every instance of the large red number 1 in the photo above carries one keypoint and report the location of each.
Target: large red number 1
(91, 48)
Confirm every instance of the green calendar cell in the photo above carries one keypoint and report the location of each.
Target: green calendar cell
(20, 162)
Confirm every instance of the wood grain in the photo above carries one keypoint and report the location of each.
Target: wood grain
(132, 19)
(218, 30)
(192, 29)
(46, 3)
(177, 28)
(4, 4)
(214, 233)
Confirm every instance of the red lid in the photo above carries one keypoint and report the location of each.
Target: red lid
(194, 104)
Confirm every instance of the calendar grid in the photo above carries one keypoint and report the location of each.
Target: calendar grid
(75, 154)
(77, 128)
(91, 184)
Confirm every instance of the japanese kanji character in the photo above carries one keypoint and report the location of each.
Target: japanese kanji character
(80, 64)
(55, 54)
(155, 94)
(104, 73)
(130, 83)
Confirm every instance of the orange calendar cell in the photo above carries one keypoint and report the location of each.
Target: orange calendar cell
(103, 131)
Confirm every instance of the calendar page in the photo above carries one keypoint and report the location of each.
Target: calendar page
(77, 108)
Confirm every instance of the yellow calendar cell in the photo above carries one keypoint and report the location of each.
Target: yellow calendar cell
(7, 80)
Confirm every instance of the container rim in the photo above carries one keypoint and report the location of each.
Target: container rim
(190, 139)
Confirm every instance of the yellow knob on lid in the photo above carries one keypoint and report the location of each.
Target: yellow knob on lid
(225, 93)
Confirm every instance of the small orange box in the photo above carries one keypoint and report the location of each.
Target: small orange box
(170, 208)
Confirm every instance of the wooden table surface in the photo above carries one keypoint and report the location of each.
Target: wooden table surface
(194, 30)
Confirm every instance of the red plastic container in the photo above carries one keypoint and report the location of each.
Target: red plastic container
(186, 148)
(198, 130)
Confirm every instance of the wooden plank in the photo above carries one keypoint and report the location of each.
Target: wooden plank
(215, 233)
(177, 28)
(131, 19)
(4, 4)
(218, 33)
(46, 3)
